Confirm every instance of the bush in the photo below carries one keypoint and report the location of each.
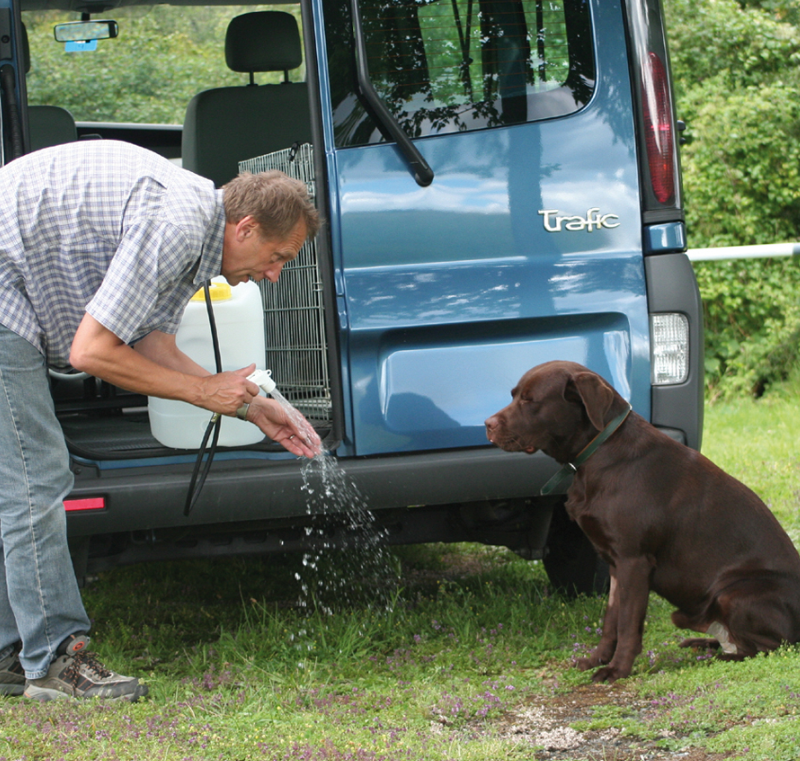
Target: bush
(718, 41)
(752, 320)
(742, 183)
(742, 167)
(737, 80)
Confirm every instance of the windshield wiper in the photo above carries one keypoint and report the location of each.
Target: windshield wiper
(420, 168)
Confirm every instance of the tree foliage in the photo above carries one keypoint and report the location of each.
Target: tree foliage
(742, 169)
(734, 46)
(737, 81)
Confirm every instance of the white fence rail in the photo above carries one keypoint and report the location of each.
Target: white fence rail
(743, 252)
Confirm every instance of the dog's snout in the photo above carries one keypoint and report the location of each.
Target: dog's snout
(492, 424)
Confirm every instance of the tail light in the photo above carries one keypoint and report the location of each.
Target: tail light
(658, 129)
(82, 505)
(653, 104)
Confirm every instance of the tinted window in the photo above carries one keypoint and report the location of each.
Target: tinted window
(453, 65)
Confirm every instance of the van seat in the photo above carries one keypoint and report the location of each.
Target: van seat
(225, 125)
(50, 125)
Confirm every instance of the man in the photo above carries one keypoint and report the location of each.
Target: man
(102, 244)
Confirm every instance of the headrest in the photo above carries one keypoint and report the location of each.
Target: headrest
(263, 41)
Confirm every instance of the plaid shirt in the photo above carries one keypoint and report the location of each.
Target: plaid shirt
(107, 228)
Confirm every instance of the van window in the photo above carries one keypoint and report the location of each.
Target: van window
(164, 55)
(454, 65)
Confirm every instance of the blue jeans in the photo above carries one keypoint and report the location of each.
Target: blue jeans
(40, 604)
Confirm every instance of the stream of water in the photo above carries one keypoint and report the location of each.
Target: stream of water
(348, 562)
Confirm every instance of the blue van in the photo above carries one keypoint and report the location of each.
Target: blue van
(501, 187)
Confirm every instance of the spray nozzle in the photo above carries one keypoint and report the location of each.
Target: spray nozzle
(263, 378)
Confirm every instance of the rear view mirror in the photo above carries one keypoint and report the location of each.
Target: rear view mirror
(81, 31)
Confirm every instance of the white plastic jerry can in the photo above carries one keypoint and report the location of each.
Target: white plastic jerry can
(239, 317)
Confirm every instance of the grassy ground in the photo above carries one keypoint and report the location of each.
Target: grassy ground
(465, 655)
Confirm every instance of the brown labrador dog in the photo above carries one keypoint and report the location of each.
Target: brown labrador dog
(665, 519)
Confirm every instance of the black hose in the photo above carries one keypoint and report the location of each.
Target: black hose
(200, 469)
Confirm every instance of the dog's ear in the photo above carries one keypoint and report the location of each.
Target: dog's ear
(597, 397)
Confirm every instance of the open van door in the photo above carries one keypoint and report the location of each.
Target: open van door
(521, 241)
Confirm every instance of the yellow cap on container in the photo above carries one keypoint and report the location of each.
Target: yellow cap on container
(217, 291)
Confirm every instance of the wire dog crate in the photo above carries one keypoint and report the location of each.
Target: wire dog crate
(294, 320)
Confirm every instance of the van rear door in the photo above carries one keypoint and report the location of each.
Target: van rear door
(526, 245)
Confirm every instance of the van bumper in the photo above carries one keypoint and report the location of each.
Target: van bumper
(240, 491)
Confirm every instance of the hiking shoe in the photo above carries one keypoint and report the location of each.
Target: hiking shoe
(78, 674)
(12, 675)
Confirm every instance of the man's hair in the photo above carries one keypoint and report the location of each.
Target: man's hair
(275, 200)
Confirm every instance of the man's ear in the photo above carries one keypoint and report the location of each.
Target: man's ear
(596, 395)
(246, 227)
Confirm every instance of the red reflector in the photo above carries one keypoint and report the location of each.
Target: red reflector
(658, 129)
(90, 503)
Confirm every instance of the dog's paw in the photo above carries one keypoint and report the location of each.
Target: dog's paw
(584, 664)
(592, 661)
(602, 654)
(610, 674)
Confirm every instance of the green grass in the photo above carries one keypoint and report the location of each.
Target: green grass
(436, 667)
(758, 442)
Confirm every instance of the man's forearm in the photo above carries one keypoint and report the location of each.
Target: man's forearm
(156, 369)
(162, 349)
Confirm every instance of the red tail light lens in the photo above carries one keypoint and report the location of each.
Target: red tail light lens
(81, 505)
(658, 129)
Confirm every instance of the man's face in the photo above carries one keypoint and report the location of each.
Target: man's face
(246, 255)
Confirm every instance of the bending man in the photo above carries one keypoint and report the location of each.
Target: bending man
(102, 244)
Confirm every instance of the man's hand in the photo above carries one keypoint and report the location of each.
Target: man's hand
(293, 432)
(226, 392)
